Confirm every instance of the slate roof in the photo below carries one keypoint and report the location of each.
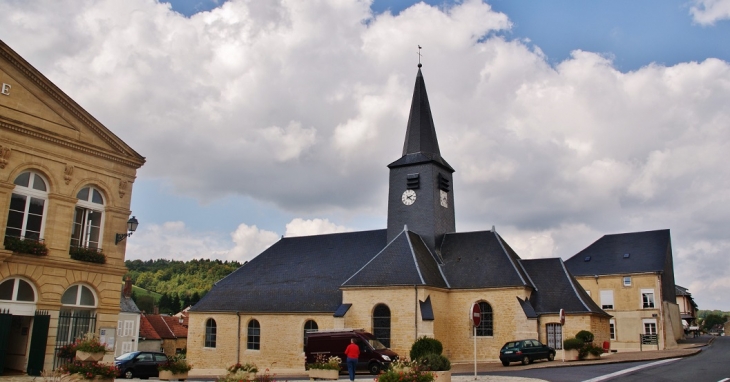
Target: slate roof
(421, 144)
(481, 260)
(557, 289)
(297, 274)
(127, 305)
(647, 252)
(404, 261)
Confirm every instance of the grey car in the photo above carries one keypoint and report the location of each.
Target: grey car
(139, 364)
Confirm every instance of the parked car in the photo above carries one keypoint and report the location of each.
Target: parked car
(374, 356)
(525, 351)
(139, 364)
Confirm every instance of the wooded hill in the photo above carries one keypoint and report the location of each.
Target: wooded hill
(173, 285)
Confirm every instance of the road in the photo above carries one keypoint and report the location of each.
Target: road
(712, 364)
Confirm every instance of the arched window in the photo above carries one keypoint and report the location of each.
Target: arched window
(88, 219)
(309, 326)
(253, 340)
(16, 290)
(26, 216)
(381, 324)
(77, 316)
(486, 326)
(210, 333)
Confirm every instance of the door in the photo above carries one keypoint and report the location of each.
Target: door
(6, 320)
(38, 341)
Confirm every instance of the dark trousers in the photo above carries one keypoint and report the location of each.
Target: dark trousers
(351, 366)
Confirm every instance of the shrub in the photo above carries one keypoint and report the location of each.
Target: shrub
(29, 246)
(325, 363)
(584, 336)
(435, 362)
(89, 370)
(414, 375)
(573, 344)
(425, 345)
(90, 255)
(176, 365)
(246, 367)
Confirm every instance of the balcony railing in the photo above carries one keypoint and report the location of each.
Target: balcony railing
(90, 255)
(26, 245)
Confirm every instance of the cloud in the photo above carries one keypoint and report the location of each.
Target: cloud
(302, 227)
(708, 12)
(301, 105)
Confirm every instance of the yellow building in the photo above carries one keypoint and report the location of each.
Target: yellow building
(418, 277)
(65, 189)
(631, 277)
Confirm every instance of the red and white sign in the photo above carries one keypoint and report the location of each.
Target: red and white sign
(476, 314)
(562, 317)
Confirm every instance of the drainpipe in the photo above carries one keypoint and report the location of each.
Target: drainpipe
(415, 315)
(238, 342)
(661, 309)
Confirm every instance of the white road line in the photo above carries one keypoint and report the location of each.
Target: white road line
(630, 370)
(724, 380)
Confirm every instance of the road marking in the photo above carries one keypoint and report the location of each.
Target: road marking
(724, 380)
(630, 370)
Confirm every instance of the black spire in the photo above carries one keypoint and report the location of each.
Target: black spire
(421, 133)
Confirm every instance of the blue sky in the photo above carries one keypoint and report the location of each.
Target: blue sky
(564, 120)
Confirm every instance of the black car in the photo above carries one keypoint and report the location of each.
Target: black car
(525, 351)
(139, 364)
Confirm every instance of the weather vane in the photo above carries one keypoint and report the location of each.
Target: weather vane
(419, 56)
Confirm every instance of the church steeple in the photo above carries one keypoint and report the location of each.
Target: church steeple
(421, 133)
(420, 191)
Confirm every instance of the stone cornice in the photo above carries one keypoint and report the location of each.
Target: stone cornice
(26, 129)
(71, 265)
(69, 104)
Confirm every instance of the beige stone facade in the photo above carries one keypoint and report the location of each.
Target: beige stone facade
(282, 335)
(632, 316)
(45, 133)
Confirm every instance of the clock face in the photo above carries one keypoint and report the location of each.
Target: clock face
(444, 199)
(409, 197)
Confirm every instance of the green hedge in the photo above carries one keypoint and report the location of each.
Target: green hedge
(90, 255)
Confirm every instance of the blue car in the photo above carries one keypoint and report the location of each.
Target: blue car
(139, 364)
(525, 351)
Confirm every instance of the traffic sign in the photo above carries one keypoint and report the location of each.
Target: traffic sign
(562, 317)
(476, 314)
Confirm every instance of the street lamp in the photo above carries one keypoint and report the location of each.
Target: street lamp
(132, 224)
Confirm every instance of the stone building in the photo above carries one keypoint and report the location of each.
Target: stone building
(65, 190)
(631, 276)
(417, 277)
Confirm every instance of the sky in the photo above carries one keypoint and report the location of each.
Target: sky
(565, 120)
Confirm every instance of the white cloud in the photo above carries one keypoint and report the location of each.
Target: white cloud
(708, 12)
(249, 242)
(302, 227)
(301, 105)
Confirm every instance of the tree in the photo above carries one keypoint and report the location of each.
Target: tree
(713, 319)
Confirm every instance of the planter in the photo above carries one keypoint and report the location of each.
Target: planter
(323, 374)
(571, 355)
(590, 356)
(85, 357)
(167, 375)
(403, 370)
(442, 376)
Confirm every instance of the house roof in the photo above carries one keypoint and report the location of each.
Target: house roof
(166, 327)
(297, 274)
(146, 330)
(623, 253)
(557, 289)
(127, 305)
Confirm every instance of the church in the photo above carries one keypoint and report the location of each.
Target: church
(417, 277)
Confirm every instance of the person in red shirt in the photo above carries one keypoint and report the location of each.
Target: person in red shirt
(353, 354)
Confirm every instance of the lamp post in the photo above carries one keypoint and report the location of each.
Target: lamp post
(132, 224)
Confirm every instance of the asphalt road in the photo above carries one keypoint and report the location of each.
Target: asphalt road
(712, 364)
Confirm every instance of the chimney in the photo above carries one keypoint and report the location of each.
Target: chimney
(127, 291)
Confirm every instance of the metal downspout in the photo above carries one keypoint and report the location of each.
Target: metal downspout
(238, 342)
(415, 316)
